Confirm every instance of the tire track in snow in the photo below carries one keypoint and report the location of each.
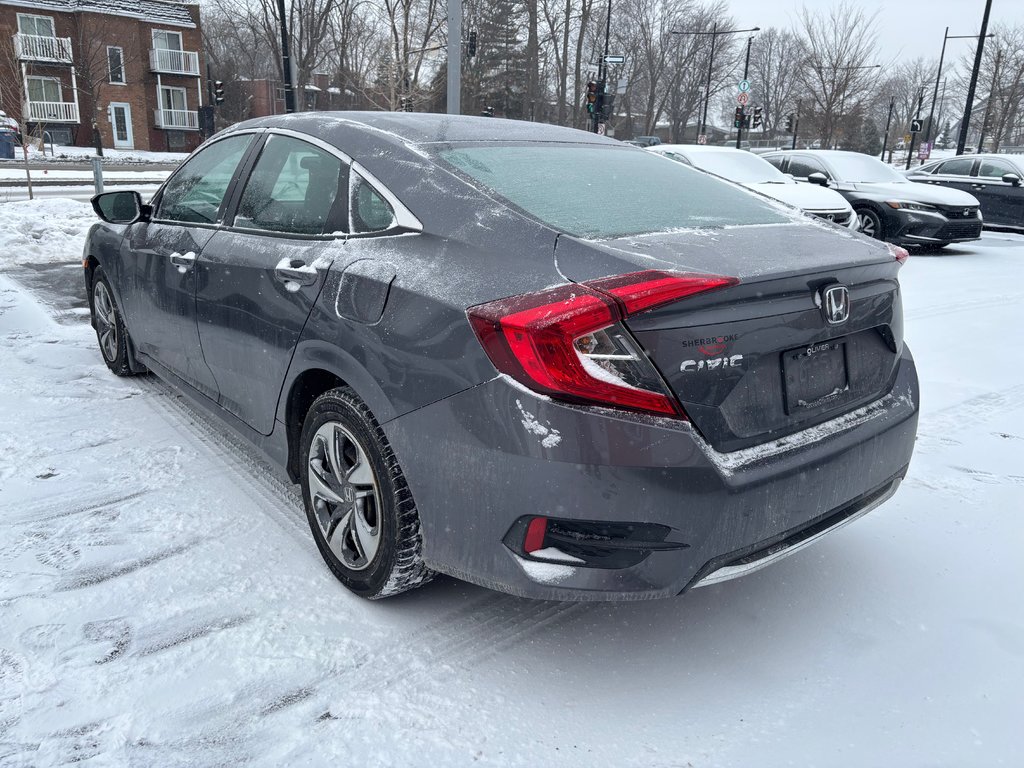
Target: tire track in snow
(936, 427)
(957, 306)
(277, 500)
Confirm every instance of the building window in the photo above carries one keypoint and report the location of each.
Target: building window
(166, 41)
(173, 98)
(115, 64)
(44, 89)
(41, 26)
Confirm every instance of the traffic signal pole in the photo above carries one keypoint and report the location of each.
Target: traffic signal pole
(746, 69)
(965, 124)
(454, 96)
(917, 117)
(286, 61)
(888, 123)
(602, 75)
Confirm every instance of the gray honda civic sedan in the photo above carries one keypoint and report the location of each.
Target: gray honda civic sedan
(526, 356)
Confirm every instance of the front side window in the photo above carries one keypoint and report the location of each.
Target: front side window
(43, 89)
(293, 188)
(40, 26)
(115, 64)
(615, 192)
(195, 193)
(802, 167)
(995, 169)
(166, 41)
(961, 166)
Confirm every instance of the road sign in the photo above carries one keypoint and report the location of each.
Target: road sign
(915, 126)
(614, 59)
(743, 99)
(600, 129)
(906, 138)
(702, 139)
(924, 151)
(744, 86)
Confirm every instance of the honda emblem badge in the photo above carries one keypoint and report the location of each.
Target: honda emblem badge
(835, 304)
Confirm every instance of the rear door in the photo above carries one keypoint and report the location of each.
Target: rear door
(260, 276)
(159, 286)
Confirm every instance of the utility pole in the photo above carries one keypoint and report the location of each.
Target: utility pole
(286, 61)
(796, 121)
(746, 69)
(454, 96)
(938, 76)
(988, 104)
(888, 122)
(966, 123)
(917, 116)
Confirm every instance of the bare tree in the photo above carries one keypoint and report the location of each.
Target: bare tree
(841, 44)
(776, 71)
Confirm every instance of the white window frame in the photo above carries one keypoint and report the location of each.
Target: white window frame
(53, 24)
(184, 96)
(110, 73)
(181, 41)
(60, 88)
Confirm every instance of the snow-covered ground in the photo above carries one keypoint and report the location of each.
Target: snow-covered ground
(110, 156)
(162, 602)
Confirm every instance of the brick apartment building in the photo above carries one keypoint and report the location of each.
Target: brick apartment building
(132, 66)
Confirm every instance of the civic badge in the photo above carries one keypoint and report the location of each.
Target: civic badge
(835, 304)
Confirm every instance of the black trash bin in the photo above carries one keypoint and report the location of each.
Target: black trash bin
(6, 145)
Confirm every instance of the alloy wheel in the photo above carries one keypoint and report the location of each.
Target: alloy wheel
(866, 224)
(106, 321)
(345, 495)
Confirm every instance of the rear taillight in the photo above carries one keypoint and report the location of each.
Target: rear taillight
(568, 342)
(900, 254)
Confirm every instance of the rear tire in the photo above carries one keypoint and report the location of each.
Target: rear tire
(358, 504)
(111, 334)
(869, 223)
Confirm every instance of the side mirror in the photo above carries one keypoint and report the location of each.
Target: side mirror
(1012, 179)
(120, 207)
(818, 178)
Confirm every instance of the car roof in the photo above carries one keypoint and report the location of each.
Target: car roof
(426, 128)
(694, 148)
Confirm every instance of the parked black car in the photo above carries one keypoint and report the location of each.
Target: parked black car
(476, 359)
(994, 179)
(889, 206)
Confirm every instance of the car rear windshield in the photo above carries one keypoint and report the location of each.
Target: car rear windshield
(605, 192)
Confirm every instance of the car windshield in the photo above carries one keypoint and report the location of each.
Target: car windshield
(738, 166)
(605, 192)
(854, 167)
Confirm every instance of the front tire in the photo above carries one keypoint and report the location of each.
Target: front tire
(110, 331)
(358, 505)
(869, 223)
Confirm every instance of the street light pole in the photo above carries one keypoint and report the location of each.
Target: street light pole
(966, 123)
(938, 76)
(988, 104)
(746, 69)
(888, 122)
(711, 60)
(602, 71)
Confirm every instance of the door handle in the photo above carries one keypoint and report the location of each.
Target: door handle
(183, 261)
(296, 271)
(977, 186)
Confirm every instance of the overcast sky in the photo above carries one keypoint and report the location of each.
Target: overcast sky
(907, 28)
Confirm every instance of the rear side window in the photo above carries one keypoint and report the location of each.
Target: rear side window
(292, 188)
(776, 161)
(195, 194)
(370, 211)
(604, 192)
(959, 167)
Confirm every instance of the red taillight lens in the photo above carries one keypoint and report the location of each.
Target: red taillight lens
(900, 254)
(565, 341)
(535, 533)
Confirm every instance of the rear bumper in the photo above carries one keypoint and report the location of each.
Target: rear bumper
(479, 461)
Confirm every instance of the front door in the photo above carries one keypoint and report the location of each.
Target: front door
(159, 274)
(121, 123)
(259, 279)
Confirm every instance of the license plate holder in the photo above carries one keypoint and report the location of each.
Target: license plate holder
(814, 376)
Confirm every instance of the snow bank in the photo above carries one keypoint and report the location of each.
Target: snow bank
(48, 231)
(110, 156)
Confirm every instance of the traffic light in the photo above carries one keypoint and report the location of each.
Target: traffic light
(591, 96)
(789, 123)
(607, 102)
(218, 91)
(405, 104)
(471, 44)
(757, 118)
(737, 120)
(487, 112)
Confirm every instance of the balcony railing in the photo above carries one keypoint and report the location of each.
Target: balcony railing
(52, 112)
(42, 48)
(174, 62)
(178, 119)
